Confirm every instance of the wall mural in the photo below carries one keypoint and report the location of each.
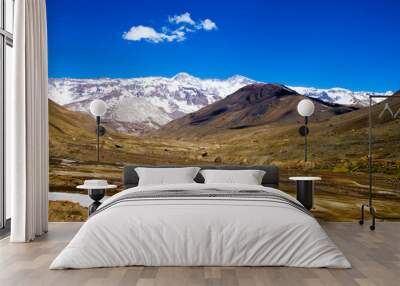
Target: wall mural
(171, 99)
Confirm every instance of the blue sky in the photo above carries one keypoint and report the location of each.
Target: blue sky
(352, 44)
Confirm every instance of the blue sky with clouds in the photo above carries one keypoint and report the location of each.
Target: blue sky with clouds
(353, 44)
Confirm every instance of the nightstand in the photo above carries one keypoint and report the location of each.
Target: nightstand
(96, 191)
(305, 190)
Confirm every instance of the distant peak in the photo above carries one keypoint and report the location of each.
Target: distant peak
(339, 89)
(183, 75)
(239, 78)
(234, 78)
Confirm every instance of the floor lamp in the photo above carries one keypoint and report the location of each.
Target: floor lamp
(305, 108)
(98, 108)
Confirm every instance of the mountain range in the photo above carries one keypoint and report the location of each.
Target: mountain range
(137, 105)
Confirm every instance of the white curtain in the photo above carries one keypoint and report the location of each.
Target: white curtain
(28, 123)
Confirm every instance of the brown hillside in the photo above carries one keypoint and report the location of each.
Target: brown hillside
(360, 118)
(250, 106)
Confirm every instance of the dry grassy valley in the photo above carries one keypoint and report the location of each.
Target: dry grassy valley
(338, 151)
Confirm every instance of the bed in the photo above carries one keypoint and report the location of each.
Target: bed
(198, 224)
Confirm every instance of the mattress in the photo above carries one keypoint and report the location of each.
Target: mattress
(201, 225)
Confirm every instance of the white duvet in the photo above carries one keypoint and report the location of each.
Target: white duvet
(199, 231)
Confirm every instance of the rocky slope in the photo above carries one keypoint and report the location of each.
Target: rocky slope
(138, 104)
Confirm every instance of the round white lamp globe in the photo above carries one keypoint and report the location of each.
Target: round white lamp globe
(305, 107)
(98, 107)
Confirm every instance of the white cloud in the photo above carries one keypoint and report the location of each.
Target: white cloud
(145, 33)
(179, 35)
(208, 25)
(138, 33)
(184, 18)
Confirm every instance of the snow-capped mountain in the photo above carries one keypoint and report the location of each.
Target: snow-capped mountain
(339, 95)
(137, 104)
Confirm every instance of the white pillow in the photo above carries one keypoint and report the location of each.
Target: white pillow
(248, 177)
(165, 176)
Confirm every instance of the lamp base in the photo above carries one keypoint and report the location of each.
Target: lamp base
(303, 130)
(96, 195)
(101, 130)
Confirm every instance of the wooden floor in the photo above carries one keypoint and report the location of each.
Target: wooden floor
(375, 257)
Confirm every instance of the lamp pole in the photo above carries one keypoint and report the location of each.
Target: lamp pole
(305, 137)
(98, 108)
(98, 137)
(305, 108)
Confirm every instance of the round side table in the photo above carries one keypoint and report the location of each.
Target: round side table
(305, 190)
(96, 194)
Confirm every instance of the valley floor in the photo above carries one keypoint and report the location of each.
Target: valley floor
(338, 196)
